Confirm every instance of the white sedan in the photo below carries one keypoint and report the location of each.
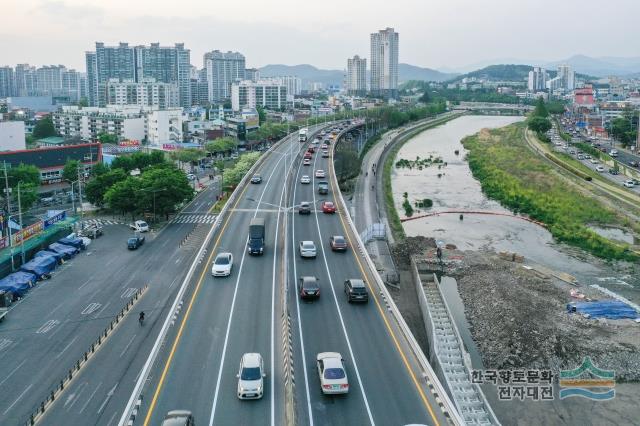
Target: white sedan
(307, 249)
(222, 265)
(251, 377)
(319, 173)
(305, 179)
(333, 376)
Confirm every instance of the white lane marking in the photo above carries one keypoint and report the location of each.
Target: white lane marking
(47, 326)
(13, 371)
(91, 307)
(335, 299)
(87, 282)
(17, 399)
(177, 260)
(109, 395)
(97, 315)
(128, 293)
(173, 282)
(73, 398)
(5, 343)
(233, 301)
(112, 417)
(127, 347)
(55, 309)
(66, 347)
(295, 282)
(90, 398)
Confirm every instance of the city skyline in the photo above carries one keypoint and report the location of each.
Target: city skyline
(320, 39)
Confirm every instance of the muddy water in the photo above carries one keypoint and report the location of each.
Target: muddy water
(456, 189)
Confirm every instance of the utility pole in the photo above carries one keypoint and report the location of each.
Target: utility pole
(7, 190)
(21, 227)
(80, 196)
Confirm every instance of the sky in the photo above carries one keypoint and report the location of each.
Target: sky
(440, 34)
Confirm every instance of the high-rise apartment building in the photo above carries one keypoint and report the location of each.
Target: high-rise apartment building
(567, 76)
(384, 63)
(26, 80)
(271, 94)
(128, 63)
(252, 74)
(7, 82)
(537, 79)
(147, 94)
(356, 76)
(199, 87)
(49, 79)
(222, 70)
(292, 83)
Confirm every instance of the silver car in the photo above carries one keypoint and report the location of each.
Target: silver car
(307, 249)
(251, 376)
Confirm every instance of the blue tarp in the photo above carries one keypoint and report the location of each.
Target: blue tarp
(65, 250)
(40, 265)
(18, 283)
(611, 309)
(75, 242)
(53, 254)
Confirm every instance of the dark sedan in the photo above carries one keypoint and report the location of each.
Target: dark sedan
(309, 287)
(338, 243)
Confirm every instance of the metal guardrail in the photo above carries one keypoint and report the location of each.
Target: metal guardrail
(445, 403)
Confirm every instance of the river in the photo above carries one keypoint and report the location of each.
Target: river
(456, 189)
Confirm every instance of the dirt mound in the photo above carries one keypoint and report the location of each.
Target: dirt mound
(403, 251)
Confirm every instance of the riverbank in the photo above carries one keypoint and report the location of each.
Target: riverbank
(510, 173)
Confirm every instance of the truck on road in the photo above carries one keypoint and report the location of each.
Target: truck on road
(256, 236)
(302, 135)
(5, 301)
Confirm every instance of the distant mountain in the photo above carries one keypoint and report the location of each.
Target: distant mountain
(408, 72)
(600, 67)
(511, 72)
(310, 74)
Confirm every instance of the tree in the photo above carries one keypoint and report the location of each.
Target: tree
(188, 155)
(539, 124)
(99, 169)
(44, 128)
(540, 109)
(122, 196)
(221, 145)
(25, 173)
(621, 128)
(162, 189)
(83, 102)
(425, 98)
(347, 164)
(555, 107)
(262, 115)
(107, 138)
(28, 195)
(70, 171)
(98, 186)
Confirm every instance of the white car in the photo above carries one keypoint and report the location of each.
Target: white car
(306, 162)
(222, 265)
(319, 173)
(305, 179)
(333, 376)
(140, 226)
(613, 153)
(594, 161)
(600, 169)
(307, 249)
(628, 183)
(191, 176)
(251, 376)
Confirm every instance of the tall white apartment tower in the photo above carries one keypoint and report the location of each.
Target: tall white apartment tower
(384, 63)
(356, 76)
(568, 77)
(222, 70)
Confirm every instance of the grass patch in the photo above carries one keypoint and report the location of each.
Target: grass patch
(510, 173)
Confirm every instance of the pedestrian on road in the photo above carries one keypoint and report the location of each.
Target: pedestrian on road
(374, 172)
(372, 186)
(366, 174)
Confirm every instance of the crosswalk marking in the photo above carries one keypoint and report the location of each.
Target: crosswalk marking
(194, 218)
(102, 222)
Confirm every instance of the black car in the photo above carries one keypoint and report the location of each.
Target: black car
(304, 208)
(614, 171)
(309, 287)
(135, 242)
(356, 290)
(634, 164)
(256, 179)
(338, 243)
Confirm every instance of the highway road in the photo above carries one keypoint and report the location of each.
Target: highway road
(57, 322)
(386, 388)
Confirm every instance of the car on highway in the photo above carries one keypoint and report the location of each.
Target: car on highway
(305, 179)
(307, 249)
(191, 176)
(634, 163)
(628, 183)
(356, 290)
(325, 153)
(304, 207)
(222, 265)
(324, 146)
(311, 150)
(306, 162)
(333, 376)
(251, 376)
(134, 242)
(178, 418)
(328, 207)
(139, 226)
(338, 243)
(308, 287)
(614, 171)
(256, 179)
(613, 153)
(600, 169)
(307, 155)
(593, 161)
(320, 173)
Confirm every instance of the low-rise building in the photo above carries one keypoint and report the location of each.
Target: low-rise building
(147, 94)
(12, 136)
(51, 160)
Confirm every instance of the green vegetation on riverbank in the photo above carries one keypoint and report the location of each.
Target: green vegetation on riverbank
(512, 174)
